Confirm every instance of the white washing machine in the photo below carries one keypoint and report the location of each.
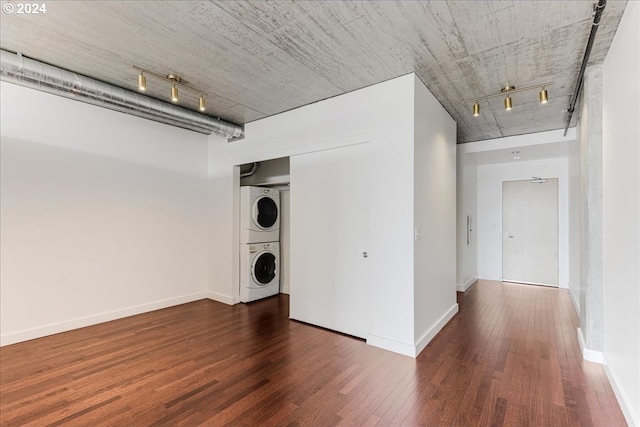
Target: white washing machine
(259, 215)
(259, 270)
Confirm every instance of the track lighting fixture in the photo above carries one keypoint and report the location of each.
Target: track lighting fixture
(508, 102)
(175, 81)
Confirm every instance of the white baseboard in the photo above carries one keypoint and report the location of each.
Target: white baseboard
(433, 331)
(226, 299)
(391, 345)
(576, 300)
(632, 419)
(56, 328)
(408, 349)
(587, 354)
(462, 287)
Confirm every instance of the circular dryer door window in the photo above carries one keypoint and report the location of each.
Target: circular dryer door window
(265, 212)
(264, 268)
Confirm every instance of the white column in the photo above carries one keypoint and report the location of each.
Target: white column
(591, 295)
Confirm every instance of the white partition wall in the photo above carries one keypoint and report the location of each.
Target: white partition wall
(434, 216)
(383, 116)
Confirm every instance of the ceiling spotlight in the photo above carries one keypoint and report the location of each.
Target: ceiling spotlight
(142, 81)
(544, 97)
(174, 93)
(201, 104)
(476, 109)
(508, 105)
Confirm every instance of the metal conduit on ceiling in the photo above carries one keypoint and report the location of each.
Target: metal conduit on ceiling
(15, 68)
(597, 15)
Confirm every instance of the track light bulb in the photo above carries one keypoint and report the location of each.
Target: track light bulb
(476, 109)
(544, 97)
(201, 104)
(174, 93)
(142, 82)
(507, 104)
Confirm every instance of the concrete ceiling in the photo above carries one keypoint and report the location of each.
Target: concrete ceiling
(258, 58)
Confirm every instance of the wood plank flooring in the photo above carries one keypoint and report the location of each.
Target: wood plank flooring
(509, 357)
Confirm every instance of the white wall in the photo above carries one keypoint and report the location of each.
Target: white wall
(285, 240)
(434, 216)
(101, 217)
(467, 205)
(621, 212)
(381, 115)
(591, 331)
(574, 224)
(489, 223)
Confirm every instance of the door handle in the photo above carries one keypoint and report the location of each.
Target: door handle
(508, 236)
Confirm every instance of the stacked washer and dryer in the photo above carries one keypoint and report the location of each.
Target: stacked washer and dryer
(259, 243)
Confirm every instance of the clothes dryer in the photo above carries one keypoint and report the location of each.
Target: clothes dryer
(259, 215)
(259, 270)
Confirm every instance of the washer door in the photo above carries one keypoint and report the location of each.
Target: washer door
(263, 268)
(265, 212)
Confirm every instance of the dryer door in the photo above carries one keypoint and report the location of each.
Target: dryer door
(265, 212)
(264, 267)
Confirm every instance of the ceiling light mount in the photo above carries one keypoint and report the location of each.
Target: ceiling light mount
(506, 91)
(175, 81)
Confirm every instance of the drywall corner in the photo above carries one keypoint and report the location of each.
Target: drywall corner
(466, 285)
(588, 354)
(422, 343)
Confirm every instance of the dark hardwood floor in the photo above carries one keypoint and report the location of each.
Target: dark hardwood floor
(510, 357)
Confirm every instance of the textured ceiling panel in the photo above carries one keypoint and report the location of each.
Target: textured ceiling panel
(259, 58)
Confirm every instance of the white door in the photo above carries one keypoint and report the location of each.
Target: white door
(329, 237)
(530, 232)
